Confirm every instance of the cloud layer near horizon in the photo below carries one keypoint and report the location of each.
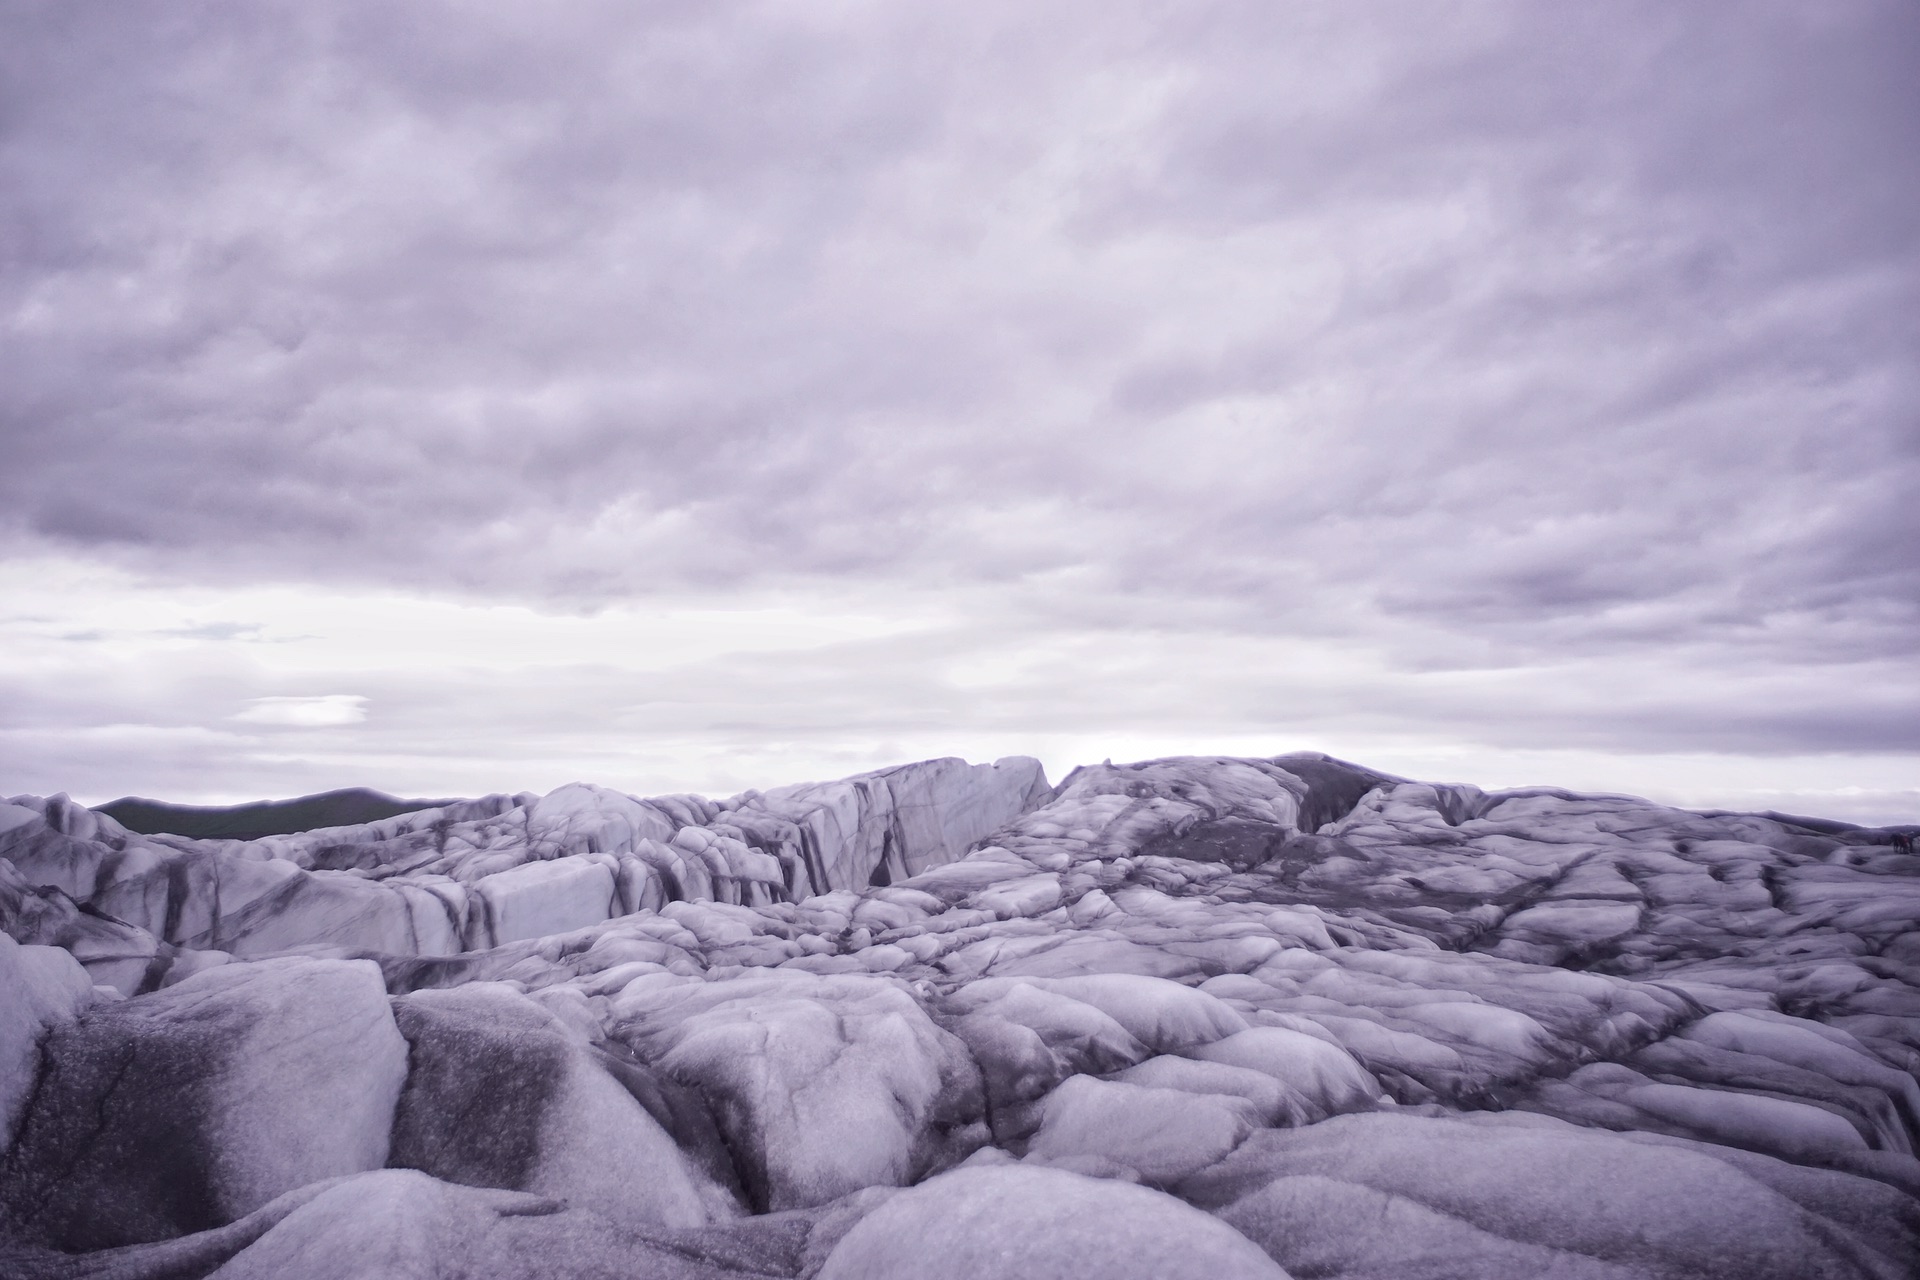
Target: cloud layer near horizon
(1482, 375)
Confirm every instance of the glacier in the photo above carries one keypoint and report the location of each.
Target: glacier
(1202, 1016)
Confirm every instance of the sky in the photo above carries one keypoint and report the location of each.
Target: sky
(458, 397)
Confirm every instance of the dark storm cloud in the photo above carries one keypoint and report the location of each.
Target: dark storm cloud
(1484, 336)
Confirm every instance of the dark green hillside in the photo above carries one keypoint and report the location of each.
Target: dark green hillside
(265, 818)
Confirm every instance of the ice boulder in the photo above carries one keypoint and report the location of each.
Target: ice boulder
(1504, 1195)
(1075, 1035)
(1273, 1101)
(1321, 1079)
(1010, 1222)
(1161, 1135)
(1162, 1015)
(500, 1095)
(400, 1224)
(822, 1085)
(41, 988)
(185, 1109)
(535, 899)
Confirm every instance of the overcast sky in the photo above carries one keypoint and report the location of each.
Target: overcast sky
(469, 396)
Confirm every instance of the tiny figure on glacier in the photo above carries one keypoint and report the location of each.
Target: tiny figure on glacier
(1903, 842)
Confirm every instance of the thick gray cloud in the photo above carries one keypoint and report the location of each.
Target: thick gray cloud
(1569, 351)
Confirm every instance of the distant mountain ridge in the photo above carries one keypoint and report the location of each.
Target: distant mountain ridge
(348, 806)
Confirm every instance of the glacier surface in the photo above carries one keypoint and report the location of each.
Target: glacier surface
(1200, 1016)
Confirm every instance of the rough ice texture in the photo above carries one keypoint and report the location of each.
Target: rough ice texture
(1200, 1016)
(479, 873)
(194, 1106)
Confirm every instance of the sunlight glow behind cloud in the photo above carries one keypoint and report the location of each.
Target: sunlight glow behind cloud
(311, 712)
